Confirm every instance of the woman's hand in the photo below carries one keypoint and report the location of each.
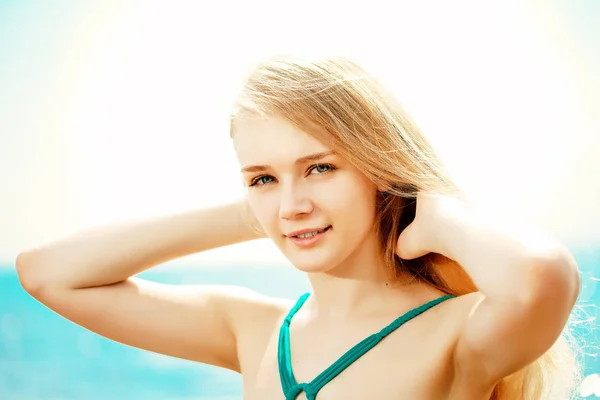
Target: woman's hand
(420, 237)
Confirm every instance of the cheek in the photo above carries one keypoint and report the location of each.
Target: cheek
(359, 199)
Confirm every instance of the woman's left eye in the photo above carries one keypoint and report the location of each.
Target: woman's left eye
(322, 168)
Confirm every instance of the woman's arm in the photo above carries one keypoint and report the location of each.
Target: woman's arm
(529, 282)
(111, 254)
(87, 279)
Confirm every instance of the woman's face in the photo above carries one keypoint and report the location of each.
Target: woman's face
(315, 206)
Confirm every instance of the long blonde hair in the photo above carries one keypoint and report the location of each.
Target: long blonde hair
(340, 104)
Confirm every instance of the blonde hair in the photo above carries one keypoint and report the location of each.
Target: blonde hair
(336, 101)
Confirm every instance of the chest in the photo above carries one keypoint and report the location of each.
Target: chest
(410, 363)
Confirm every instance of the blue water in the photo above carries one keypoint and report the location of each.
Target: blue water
(45, 357)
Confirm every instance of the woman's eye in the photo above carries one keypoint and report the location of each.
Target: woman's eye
(322, 168)
(261, 180)
(317, 169)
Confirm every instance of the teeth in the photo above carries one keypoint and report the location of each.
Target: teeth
(306, 235)
(309, 234)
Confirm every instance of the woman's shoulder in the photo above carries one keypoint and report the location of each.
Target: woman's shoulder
(448, 317)
(460, 306)
(254, 318)
(249, 306)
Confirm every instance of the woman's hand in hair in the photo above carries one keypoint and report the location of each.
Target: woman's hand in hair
(420, 238)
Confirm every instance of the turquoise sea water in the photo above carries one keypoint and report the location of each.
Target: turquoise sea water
(45, 357)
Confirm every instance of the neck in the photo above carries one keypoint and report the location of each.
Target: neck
(363, 285)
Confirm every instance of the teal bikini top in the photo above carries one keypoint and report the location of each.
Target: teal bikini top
(292, 389)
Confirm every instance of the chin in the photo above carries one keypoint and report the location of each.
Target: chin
(316, 267)
(323, 257)
(312, 263)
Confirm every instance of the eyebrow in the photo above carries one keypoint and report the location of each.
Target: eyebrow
(301, 160)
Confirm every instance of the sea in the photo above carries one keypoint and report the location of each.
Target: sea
(46, 357)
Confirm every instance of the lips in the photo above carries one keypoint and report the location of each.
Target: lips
(308, 238)
(307, 233)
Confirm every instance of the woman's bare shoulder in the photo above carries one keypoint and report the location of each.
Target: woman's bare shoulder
(459, 308)
(254, 319)
(244, 304)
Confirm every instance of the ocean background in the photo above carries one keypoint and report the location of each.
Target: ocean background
(46, 357)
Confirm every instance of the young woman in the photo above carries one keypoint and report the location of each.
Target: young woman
(414, 294)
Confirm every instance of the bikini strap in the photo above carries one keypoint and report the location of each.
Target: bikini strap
(291, 388)
(367, 344)
(286, 375)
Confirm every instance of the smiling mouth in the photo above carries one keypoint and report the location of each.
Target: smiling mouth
(310, 234)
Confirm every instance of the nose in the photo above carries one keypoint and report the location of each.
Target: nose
(294, 202)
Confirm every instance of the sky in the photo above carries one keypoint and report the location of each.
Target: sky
(114, 110)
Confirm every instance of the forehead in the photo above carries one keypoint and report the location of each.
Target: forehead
(271, 140)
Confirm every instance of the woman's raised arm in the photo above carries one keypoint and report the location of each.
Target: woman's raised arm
(87, 278)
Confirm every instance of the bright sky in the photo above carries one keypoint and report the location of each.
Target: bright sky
(118, 109)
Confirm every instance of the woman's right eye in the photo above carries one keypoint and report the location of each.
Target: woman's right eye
(261, 180)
